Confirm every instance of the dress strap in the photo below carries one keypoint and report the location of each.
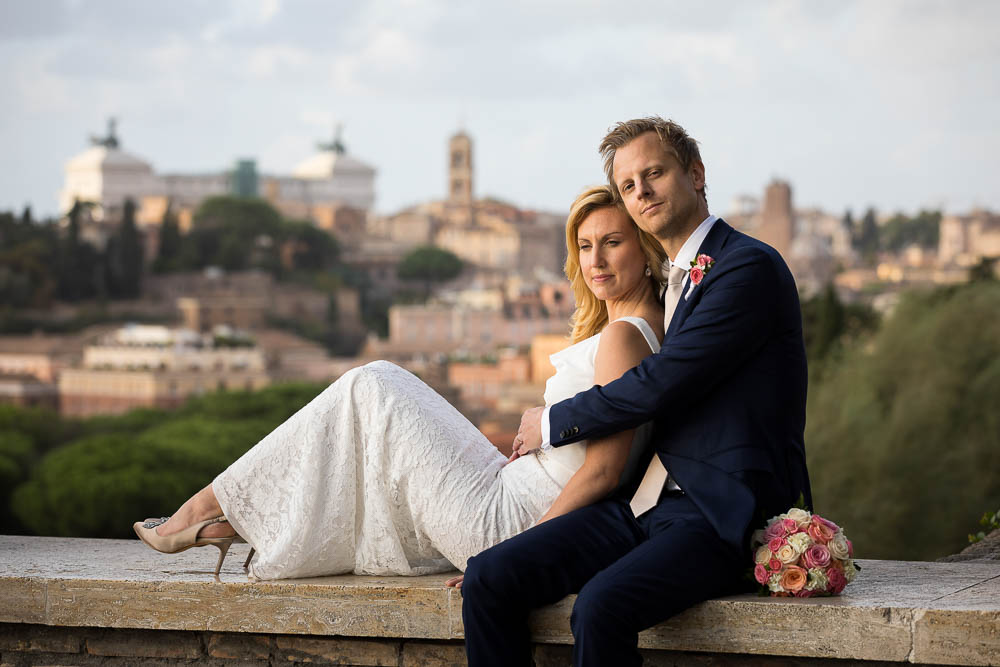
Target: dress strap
(646, 330)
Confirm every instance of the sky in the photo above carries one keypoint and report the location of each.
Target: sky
(888, 104)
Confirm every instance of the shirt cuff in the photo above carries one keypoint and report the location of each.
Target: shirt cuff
(546, 442)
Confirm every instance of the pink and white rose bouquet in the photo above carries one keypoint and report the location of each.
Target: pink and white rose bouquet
(802, 555)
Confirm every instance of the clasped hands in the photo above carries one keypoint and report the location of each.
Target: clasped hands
(528, 439)
(529, 433)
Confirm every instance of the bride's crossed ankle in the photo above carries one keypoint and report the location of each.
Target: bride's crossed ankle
(199, 522)
(202, 506)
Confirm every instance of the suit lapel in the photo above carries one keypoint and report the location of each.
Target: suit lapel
(711, 246)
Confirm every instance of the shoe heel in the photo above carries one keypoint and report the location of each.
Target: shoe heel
(223, 550)
(246, 563)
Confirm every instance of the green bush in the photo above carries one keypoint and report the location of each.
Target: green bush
(99, 485)
(17, 452)
(903, 434)
(144, 463)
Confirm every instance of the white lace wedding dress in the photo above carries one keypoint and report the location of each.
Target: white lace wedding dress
(380, 475)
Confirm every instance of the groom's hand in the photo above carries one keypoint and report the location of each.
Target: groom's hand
(529, 434)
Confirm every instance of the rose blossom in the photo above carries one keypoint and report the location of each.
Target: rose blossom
(837, 579)
(799, 516)
(793, 578)
(787, 554)
(816, 518)
(820, 533)
(762, 556)
(696, 274)
(789, 525)
(774, 564)
(774, 529)
(761, 574)
(818, 581)
(800, 542)
(804, 593)
(839, 547)
(776, 543)
(704, 260)
(816, 556)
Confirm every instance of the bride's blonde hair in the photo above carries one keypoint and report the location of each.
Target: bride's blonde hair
(591, 313)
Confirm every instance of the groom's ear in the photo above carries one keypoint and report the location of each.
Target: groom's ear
(697, 173)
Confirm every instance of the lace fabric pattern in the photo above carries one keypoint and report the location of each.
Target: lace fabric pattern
(381, 475)
(377, 475)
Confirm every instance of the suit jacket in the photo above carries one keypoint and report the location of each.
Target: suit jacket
(726, 392)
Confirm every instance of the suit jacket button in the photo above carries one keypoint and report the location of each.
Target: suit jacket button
(576, 429)
(563, 434)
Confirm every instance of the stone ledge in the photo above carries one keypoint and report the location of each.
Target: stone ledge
(931, 613)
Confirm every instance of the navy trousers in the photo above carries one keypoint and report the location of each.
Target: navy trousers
(629, 575)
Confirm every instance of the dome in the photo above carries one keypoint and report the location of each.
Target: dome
(102, 157)
(326, 164)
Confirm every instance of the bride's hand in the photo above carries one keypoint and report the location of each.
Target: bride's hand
(455, 582)
(529, 435)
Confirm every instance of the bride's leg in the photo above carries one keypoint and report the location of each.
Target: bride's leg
(199, 507)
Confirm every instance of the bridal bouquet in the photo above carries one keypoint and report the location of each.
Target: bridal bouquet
(803, 555)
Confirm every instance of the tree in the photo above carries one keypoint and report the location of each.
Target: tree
(170, 243)
(828, 322)
(125, 257)
(234, 233)
(115, 469)
(308, 248)
(901, 230)
(866, 240)
(429, 264)
(828, 325)
(984, 270)
(903, 435)
(16, 454)
(79, 267)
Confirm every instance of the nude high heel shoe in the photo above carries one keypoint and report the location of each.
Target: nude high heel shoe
(185, 539)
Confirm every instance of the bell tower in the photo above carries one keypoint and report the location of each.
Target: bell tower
(460, 169)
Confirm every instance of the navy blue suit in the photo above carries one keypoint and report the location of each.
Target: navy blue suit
(726, 394)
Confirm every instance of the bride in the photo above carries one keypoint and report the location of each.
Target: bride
(380, 475)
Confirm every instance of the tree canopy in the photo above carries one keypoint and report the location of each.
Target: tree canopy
(106, 472)
(903, 434)
(429, 264)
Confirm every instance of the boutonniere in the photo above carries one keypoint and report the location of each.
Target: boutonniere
(700, 265)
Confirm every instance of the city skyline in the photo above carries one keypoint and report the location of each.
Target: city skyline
(857, 105)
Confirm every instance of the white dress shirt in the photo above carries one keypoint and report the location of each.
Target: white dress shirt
(687, 253)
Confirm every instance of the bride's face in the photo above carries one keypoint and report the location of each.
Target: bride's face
(611, 258)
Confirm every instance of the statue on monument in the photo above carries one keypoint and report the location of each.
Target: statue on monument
(337, 145)
(110, 140)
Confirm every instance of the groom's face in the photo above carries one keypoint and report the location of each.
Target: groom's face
(660, 195)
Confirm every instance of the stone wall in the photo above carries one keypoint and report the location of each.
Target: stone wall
(42, 645)
(116, 602)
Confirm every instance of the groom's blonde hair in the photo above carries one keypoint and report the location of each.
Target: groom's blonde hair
(591, 314)
(673, 138)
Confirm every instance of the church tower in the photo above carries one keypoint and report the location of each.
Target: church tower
(777, 225)
(460, 169)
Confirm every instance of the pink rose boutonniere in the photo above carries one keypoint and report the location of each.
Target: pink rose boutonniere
(700, 265)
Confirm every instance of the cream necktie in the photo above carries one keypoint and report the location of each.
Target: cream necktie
(648, 493)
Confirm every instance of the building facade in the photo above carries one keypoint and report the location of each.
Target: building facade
(157, 367)
(105, 176)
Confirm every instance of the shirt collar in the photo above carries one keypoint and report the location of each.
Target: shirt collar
(690, 248)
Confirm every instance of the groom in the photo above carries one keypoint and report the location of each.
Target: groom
(726, 394)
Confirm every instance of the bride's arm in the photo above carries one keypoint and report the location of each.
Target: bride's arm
(622, 347)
